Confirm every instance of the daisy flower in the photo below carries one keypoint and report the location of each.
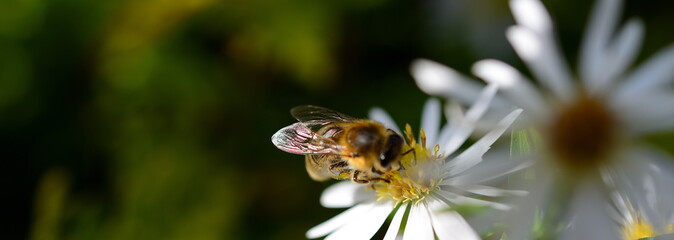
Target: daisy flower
(419, 196)
(588, 128)
(635, 225)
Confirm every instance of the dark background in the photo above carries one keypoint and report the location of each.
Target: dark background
(152, 119)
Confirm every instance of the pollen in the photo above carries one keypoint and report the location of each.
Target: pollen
(636, 227)
(638, 230)
(582, 134)
(419, 176)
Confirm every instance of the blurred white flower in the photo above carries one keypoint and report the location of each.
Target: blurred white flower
(634, 225)
(589, 130)
(428, 185)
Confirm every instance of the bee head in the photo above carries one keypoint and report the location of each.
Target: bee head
(379, 147)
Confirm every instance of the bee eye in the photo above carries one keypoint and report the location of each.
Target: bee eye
(392, 150)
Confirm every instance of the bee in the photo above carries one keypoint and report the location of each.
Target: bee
(339, 146)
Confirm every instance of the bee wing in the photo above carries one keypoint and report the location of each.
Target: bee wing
(310, 113)
(300, 139)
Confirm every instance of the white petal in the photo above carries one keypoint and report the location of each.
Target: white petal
(418, 224)
(482, 104)
(455, 116)
(438, 80)
(473, 155)
(445, 133)
(589, 215)
(531, 14)
(345, 194)
(364, 226)
(646, 184)
(524, 211)
(454, 113)
(467, 125)
(661, 168)
(394, 227)
(650, 194)
(463, 200)
(600, 28)
(544, 59)
(650, 113)
(339, 220)
(496, 163)
(449, 225)
(526, 42)
(623, 208)
(625, 46)
(514, 86)
(430, 121)
(656, 72)
(492, 191)
(380, 115)
(618, 56)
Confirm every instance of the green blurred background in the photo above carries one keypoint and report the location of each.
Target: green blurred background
(152, 119)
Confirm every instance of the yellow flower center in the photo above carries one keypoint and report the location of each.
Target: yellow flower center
(582, 134)
(639, 228)
(421, 172)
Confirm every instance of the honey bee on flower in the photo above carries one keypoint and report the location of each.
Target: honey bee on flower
(426, 184)
(341, 147)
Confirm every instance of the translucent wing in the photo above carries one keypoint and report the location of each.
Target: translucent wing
(300, 139)
(310, 113)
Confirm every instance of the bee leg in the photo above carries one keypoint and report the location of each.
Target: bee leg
(379, 179)
(355, 178)
(357, 173)
(374, 170)
(340, 170)
(338, 165)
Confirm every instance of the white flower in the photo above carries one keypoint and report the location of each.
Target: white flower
(637, 226)
(426, 187)
(590, 130)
